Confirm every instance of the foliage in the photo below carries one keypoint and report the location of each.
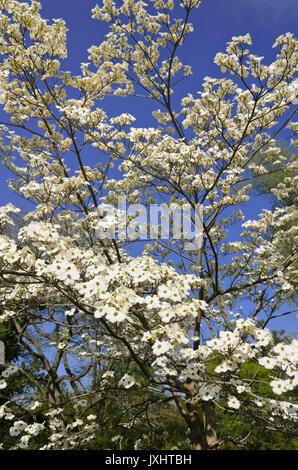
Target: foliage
(116, 336)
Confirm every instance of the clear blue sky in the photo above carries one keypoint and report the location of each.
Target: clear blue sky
(215, 22)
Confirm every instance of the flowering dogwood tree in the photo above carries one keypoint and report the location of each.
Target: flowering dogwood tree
(189, 319)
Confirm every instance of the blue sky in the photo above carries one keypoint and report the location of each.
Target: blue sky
(215, 22)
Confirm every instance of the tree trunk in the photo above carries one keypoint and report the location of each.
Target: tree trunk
(196, 436)
(195, 427)
(210, 425)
